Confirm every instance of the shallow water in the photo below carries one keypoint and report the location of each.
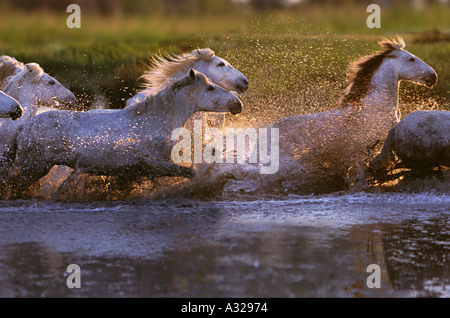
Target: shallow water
(297, 246)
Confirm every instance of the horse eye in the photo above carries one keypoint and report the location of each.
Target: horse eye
(211, 88)
(52, 82)
(221, 64)
(412, 59)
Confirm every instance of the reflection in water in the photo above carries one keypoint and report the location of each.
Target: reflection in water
(301, 247)
(30, 269)
(418, 256)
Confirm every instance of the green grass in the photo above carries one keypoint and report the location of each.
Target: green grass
(295, 60)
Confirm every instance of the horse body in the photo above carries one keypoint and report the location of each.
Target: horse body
(322, 147)
(317, 150)
(93, 144)
(421, 140)
(344, 133)
(9, 107)
(166, 69)
(127, 143)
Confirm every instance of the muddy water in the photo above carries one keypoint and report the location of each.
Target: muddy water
(295, 246)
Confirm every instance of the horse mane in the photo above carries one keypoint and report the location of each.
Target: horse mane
(8, 66)
(158, 102)
(166, 67)
(13, 82)
(361, 71)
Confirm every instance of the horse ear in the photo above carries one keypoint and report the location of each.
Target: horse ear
(34, 69)
(31, 69)
(192, 73)
(33, 66)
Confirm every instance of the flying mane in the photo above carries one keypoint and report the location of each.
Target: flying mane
(362, 70)
(165, 68)
(8, 67)
(158, 102)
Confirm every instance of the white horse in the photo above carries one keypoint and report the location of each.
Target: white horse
(217, 69)
(126, 143)
(317, 150)
(163, 69)
(32, 88)
(9, 107)
(421, 141)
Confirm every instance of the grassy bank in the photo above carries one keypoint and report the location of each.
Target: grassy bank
(295, 60)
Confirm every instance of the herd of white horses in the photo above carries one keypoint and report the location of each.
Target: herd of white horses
(38, 129)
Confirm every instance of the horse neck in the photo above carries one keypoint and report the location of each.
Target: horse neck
(177, 110)
(382, 98)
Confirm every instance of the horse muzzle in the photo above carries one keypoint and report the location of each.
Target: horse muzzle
(242, 86)
(70, 102)
(236, 107)
(431, 80)
(16, 113)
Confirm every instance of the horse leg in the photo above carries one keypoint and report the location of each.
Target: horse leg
(25, 179)
(67, 188)
(126, 182)
(122, 185)
(379, 164)
(167, 169)
(4, 186)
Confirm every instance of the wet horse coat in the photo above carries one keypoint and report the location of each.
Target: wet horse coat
(126, 143)
(420, 141)
(32, 88)
(317, 150)
(217, 69)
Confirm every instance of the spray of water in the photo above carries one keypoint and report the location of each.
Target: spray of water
(292, 75)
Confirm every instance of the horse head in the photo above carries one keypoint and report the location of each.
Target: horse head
(392, 64)
(411, 68)
(219, 71)
(32, 84)
(210, 97)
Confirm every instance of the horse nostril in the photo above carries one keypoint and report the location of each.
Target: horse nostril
(245, 81)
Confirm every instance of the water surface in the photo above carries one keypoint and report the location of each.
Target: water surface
(295, 246)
